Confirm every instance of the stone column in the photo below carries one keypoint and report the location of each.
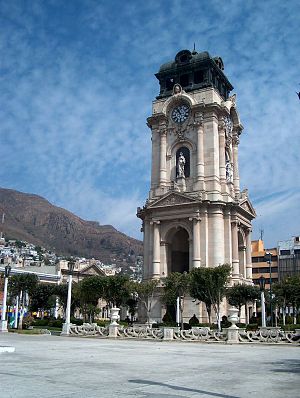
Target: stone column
(236, 176)
(155, 139)
(242, 260)
(190, 254)
(196, 241)
(227, 237)
(204, 238)
(163, 155)
(235, 249)
(200, 151)
(222, 165)
(216, 236)
(146, 230)
(164, 264)
(156, 250)
(248, 255)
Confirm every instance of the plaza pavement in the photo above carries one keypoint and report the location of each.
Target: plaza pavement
(54, 366)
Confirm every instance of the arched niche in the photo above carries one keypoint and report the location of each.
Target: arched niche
(172, 156)
(184, 152)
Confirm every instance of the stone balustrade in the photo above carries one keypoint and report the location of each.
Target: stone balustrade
(196, 334)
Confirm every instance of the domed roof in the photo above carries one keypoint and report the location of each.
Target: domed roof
(185, 57)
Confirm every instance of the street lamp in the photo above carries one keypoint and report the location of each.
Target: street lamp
(268, 258)
(66, 325)
(3, 325)
(262, 283)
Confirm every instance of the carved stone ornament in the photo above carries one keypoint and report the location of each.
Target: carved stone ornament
(229, 171)
(228, 125)
(177, 89)
(198, 119)
(232, 98)
(235, 139)
(172, 199)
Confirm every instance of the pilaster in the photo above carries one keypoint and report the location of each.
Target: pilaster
(163, 154)
(222, 164)
(196, 241)
(236, 176)
(156, 250)
(235, 249)
(248, 255)
(198, 124)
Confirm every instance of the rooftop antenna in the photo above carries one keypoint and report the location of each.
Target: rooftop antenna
(261, 232)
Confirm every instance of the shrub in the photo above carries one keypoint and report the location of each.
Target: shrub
(76, 321)
(41, 322)
(290, 328)
(102, 323)
(56, 323)
(27, 321)
(251, 327)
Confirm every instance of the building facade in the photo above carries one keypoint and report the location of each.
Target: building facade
(289, 257)
(260, 266)
(195, 215)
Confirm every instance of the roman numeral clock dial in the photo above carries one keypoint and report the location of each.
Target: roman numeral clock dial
(180, 113)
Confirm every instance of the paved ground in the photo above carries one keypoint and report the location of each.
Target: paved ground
(52, 366)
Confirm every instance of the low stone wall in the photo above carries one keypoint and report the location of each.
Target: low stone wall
(230, 335)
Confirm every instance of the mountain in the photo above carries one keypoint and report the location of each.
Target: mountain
(33, 219)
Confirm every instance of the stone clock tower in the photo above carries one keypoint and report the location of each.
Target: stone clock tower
(196, 215)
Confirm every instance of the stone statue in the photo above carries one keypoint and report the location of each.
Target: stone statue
(177, 89)
(229, 173)
(181, 164)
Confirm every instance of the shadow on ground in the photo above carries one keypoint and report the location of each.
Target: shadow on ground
(180, 388)
(287, 366)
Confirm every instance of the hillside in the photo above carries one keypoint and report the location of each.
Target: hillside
(32, 218)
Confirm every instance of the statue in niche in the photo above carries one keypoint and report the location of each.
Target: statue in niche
(177, 89)
(181, 164)
(229, 173)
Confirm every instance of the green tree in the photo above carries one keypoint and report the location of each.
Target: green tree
(144, 292)
(19, 286)
(176, 285)
(116, 290)
(209, 286)
(42, 298)
(240, 295)
(89, 291)
(287, 293)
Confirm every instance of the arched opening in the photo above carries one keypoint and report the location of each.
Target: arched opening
(178, 256)
(185, 153)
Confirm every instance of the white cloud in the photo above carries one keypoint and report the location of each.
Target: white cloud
(76, 88)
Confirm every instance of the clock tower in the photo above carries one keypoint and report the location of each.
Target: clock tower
(196, 215)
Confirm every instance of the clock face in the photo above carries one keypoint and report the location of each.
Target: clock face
(180, 113)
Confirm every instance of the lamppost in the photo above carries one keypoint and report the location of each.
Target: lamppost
(268, 257)
(66, 325)
(262, 283)
(3, 326)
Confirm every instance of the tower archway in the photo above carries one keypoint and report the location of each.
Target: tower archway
(178, 250)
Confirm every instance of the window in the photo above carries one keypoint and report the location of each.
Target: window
(184, 80)
(169, 83)
(198, 76)
(285, 252)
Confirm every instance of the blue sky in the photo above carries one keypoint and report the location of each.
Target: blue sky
(77, 81)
